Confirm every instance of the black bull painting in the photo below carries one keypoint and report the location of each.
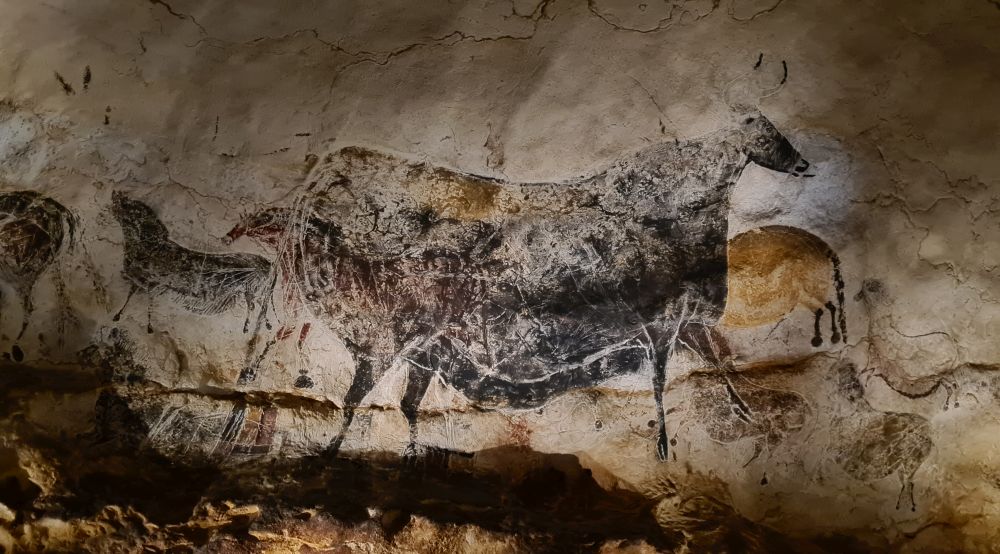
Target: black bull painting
(516, 292)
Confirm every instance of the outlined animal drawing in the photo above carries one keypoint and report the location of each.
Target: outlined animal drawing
(775, 269)
(872, 444)
(33, 228)
(203, 283)
(772, 415)
(516, 292)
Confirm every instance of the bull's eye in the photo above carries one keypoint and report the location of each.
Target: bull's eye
(749, 120)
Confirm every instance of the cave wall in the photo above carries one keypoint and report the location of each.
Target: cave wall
(237, 240)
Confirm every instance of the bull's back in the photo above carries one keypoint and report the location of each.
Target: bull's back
(549, 246)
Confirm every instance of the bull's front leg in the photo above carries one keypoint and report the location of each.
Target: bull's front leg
(661, 358)
(662, 336)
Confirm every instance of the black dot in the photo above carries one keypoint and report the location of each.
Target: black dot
(17, 353)
(651, 424)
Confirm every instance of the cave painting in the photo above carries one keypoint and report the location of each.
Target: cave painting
(767, 415)
(516, 292)
(872, 444)
(202, 283)
(249, 430)
(33, 228)
(775, 269)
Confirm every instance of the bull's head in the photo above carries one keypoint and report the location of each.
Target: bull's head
(765, 146)
(267, 226)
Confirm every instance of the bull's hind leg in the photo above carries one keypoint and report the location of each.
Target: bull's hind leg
(834, 330)
(417, 381)
(118, 315)
(817, 339)
(361, 384)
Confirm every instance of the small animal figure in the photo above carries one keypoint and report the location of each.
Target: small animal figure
(202, 283)
(774, 269)
(770, 416)
(884, 362)
(517, 292)
(873, 444)
(33, 228)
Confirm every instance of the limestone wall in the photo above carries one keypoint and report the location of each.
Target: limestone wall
(403, 277)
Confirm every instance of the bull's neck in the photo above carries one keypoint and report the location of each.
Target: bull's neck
(733, 162)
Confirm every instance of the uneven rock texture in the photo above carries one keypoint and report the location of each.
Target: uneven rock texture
(497, 276)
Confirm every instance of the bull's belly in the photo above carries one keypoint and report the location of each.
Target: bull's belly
(521, 319)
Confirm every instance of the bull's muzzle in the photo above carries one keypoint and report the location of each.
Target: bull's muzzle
(232, 235)
(800, 168)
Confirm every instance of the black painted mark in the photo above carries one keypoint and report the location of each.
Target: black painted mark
(511, 292)
(784, 69)
(760, 60)
(107, 115)
(67, 88)
(834, 331)
(33, 229)
(215, 134)
(86, 78)
(817, 339)
(17, 353)
(303, 134)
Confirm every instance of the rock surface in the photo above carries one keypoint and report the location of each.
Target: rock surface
(375, 277)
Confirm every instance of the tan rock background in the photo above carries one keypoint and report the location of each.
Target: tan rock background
(209, 110)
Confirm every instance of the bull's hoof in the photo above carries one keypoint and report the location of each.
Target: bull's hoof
(429, 456)
(411, 453)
